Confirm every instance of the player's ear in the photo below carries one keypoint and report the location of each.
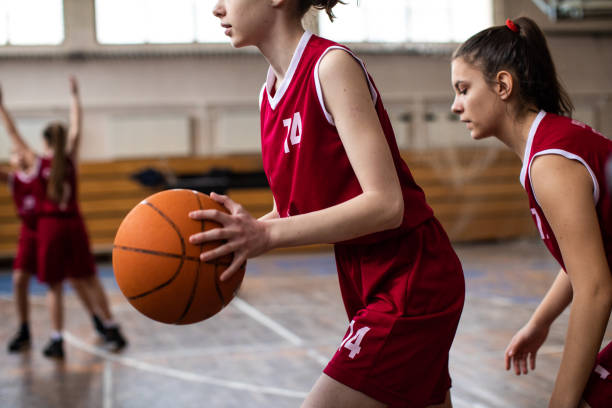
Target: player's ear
(277, 3)
(505, 84)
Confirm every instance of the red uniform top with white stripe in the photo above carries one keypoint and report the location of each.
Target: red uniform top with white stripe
(303, 156)
(553, 134)
(23, 187)
(68, 205)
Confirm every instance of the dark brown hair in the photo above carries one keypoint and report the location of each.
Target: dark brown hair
(525, 54)
(327, 5)
(55, 136)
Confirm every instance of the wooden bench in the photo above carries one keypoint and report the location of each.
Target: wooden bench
(474, 198)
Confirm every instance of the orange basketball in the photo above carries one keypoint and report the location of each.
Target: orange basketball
(159, 271)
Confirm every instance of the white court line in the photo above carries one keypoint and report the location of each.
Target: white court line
(181, 375)
(107, 386)
(277, 328)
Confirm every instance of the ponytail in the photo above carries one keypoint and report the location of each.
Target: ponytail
(327, 5)
(519, 47)
(55, 136)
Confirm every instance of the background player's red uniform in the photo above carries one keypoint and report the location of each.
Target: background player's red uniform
(23, 191)
(553, 134)
(63, 244)
(403, 289)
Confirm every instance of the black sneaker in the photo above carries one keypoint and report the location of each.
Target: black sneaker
(98, 326)
(54, 349)
(114, 340)
(20, 342)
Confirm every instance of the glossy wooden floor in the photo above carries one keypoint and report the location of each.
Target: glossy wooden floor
(268, 346)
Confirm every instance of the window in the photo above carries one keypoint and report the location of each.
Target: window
(399, 21)
(157, 21)
(20, 26)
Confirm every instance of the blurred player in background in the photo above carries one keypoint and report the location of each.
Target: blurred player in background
(61, 246)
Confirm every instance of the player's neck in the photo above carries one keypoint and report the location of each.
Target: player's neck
(514, 132)
(279, 49)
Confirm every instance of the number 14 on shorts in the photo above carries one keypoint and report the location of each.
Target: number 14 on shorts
(352, 341)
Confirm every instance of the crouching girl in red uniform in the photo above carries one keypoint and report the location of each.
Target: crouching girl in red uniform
(506, 86)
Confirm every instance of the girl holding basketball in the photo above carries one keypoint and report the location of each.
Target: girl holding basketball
(61, 245)
(506, 86)
(337, 177)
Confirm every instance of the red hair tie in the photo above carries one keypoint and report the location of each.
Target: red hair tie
(510, 24)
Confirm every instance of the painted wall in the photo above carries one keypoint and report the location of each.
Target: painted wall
(202, 100)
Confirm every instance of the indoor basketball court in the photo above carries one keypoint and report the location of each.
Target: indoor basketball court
(167, 103)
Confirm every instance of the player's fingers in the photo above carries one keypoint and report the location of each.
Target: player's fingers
(236, 264)
(508, 359)
(212, 215)
(517, 365)
(227, 202)
(214, 234)
(220, 251)
(532, 361)
(523, 364)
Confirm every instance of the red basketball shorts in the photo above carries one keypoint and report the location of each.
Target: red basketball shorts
(598, 392)
(25, 260)
(63, 249)
(404, 297)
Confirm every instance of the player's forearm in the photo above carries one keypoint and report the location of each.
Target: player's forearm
(11, 129)
(269, 216)
(359, 216)
(75, 120)
(555, 301)
(588, 320)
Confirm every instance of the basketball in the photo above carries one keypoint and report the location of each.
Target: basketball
(159, 271)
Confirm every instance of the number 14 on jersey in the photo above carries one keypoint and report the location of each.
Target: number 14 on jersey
(353, 342)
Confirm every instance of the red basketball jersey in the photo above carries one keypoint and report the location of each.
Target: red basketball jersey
(68, 204)
(23, 187)
(553, 134)
(303, 156)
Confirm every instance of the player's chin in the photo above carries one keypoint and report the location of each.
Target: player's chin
(237, 42)
(476, 134)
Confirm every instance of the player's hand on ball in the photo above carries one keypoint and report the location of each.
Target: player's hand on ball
(244, 235)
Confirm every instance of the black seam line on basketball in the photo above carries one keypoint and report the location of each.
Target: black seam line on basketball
(158, 253)
(218, 288)
(155, 289)
(197, 272)
(170, 255)
(182, 258)
(172, 224)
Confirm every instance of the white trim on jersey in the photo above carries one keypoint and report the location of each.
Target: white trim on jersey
(532, 132)
(373, 92)
(261, 95)
(295, 60)
(570, 156)
(28, 177)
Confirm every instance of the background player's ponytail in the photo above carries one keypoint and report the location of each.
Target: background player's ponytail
(55, 136)
(524, 52)
(327, 5)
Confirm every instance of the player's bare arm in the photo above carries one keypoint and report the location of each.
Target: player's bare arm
(522, 349)
(348, 99)
(74, 131)
(14, 134)
(564, 189)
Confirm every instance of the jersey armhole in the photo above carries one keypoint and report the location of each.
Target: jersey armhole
(317, 80)
(570, 156)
